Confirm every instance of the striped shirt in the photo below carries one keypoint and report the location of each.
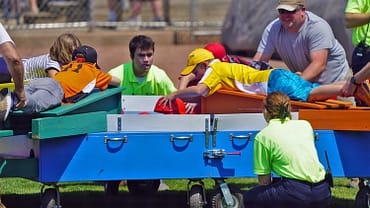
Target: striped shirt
(36, 67)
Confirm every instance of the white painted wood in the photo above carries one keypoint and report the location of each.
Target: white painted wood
(158, 123)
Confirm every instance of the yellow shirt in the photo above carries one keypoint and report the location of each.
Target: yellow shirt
(233, 76)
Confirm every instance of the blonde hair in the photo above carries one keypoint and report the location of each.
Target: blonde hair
(277, 105)
(62, 48)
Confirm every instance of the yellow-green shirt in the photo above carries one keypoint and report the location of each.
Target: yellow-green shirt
(288, 150)
(155, 83)
(359, 7)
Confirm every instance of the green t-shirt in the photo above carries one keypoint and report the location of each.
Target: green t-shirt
(288, 150)
(361, 7)
(155, 83)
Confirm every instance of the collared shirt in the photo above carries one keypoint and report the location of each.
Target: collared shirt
(295, 48)
(288, 149)
(155, 83)
(359, 7)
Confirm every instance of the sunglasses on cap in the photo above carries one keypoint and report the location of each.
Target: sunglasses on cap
(283, 11)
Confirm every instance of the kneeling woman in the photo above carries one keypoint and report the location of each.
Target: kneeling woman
(286, 147)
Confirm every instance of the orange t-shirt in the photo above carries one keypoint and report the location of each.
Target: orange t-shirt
(81, 77)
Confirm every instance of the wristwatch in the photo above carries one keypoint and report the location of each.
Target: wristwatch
(353, 81)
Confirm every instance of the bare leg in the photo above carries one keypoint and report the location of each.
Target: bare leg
(33, 6)
(115, 10)
(135, 8)
(326, 91)
(157, 9)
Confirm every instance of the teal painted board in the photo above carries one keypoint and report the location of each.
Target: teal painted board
(60, 126)
(106, 100)
(25, 168)
(4, 133)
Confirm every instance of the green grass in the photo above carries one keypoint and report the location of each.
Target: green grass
(18, 192)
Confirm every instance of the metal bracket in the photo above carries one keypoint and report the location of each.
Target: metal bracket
(218, 153)
(227, 194)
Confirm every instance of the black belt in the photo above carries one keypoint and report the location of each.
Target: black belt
(306, 182)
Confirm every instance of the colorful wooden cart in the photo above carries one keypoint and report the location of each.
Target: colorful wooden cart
(93, 141)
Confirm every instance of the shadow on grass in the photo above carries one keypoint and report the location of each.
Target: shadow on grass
(341, 203)
(95, 199)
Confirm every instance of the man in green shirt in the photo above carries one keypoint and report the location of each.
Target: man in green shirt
(140, 76)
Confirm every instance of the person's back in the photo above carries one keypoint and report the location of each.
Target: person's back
(82, 75)
(286, 147)
(78, 79)
(303, 160)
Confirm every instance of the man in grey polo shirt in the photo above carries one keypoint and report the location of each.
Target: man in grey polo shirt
(306, 44)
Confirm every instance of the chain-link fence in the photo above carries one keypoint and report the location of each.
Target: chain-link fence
(119, 14)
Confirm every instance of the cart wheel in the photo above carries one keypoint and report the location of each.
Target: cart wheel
(49, 198)
(143, 186)
(111, 188)
(218, 201)
(362, 199)
(196, 199)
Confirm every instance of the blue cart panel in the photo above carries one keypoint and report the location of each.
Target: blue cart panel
(113, 156)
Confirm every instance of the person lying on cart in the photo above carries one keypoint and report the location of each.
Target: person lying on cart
(215, 75)
(75, 81)
(287, 148)
(187, 79)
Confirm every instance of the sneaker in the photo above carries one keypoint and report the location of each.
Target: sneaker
(363, 93)
(156, 19)
(5, 103)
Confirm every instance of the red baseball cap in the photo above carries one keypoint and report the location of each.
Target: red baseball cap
(217, 49)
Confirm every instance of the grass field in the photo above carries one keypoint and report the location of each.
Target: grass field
(18, 192)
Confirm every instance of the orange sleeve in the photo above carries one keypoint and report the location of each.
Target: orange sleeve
(102, 80)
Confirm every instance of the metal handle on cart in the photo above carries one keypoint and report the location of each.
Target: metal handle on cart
(232, 137)
(189, 138)
(124, 139)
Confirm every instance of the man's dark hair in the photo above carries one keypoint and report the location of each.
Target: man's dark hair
(140, 41)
